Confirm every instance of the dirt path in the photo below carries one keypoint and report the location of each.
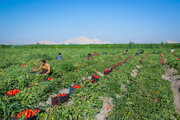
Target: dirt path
(107, 107)
(135, 71)
(171, 75)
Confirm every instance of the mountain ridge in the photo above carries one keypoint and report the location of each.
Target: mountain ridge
(84, 40)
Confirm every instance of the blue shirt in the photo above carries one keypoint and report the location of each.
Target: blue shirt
(60, 57)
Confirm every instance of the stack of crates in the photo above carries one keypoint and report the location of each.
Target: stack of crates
(95, 78)
(61, 98)
(73, 88)
(107, 71)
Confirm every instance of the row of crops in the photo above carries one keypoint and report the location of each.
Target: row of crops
(147, 95)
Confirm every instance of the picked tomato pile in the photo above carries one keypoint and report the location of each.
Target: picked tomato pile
(76, 86)
(13, 92)
(62, 95)
(95, 78)
(24, 65)
(28, 113)
(60, 99)
(50, 78)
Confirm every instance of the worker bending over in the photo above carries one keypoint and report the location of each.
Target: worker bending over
(46, 68)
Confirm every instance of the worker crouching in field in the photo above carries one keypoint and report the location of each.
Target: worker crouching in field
(46, 68)
(89, 57)
(172, 50)
(60, 57)
(137, 54)
(127, 52)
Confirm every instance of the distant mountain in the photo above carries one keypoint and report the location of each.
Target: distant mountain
(84, 40)
(169, 41)
(47, 42)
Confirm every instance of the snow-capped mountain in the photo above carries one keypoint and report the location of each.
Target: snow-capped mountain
(47, 42)
(169, 41)
(84, 40)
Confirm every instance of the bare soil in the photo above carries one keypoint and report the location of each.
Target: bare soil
(172, 76)
(118, 96)
(135, 71)
(107, 107)
(123, 87)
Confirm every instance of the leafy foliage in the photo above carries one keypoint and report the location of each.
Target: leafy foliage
(140, 101)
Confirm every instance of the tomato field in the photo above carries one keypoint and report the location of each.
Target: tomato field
(134, 86)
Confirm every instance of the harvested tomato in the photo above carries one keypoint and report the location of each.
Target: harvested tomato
(61, 95)
(28, 113)
(50, 78)
(97, 76)
(106, 71)
(13, 92)
(77, 86)
(116, 65)
(34, 84)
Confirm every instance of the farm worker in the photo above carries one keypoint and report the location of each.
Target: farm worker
(95, 53)
(89, 57)
(172, 50)
(60, 57)
(46, 69)
(127, 52)
(137, 54)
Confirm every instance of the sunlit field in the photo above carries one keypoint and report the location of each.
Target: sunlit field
(127, 86)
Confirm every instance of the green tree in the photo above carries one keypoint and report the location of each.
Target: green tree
(131, 45)
(162, 44)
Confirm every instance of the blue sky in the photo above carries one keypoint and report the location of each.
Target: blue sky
(141, 21)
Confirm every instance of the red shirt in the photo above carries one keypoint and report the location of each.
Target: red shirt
(96, 53)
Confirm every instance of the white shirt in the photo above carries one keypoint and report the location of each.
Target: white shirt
(172, 50)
